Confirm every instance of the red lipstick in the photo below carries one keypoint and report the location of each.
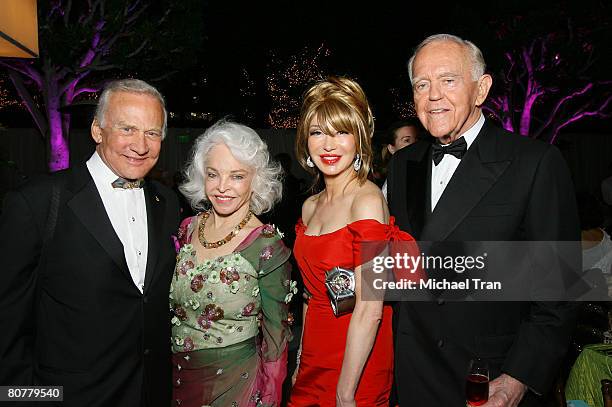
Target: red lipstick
(330, 159)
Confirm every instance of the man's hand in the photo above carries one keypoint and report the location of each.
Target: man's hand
(505, 391)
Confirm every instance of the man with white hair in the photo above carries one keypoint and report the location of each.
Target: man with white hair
(476, 183)
(87, 261)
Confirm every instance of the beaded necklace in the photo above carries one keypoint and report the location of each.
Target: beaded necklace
(234, 232)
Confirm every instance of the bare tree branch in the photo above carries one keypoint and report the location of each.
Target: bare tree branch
(102, 67)
(24, 69)
(67, 10)
(164, 76)
(495, 102)
(561, 102)
(492, 112)
(138, 50)
(72, 82)
(94, 89)
(521, 72)
(95, 9)
(511, 66)
(531, 94)
(59, 75)
(134, 13)
(29, 103)
(600, 111)
(64, 71)
(129, 8)
(166, 14)
(55, 8)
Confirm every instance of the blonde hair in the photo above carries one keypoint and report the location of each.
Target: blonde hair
(338, 104)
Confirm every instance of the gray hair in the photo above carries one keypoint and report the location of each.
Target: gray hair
(248, 148)
(474, 53)
(129, 86)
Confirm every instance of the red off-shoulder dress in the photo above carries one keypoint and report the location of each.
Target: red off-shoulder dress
(324, 339)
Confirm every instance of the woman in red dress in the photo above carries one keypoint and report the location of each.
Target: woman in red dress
(345, 360)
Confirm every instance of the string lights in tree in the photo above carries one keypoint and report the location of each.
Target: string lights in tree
(286, 81)
(247, 92)
(402, 106)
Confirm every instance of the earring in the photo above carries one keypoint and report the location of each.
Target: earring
(309, 162)
(357, 163)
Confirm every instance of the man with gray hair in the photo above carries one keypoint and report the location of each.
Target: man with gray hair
(476, 183)
(87, 262)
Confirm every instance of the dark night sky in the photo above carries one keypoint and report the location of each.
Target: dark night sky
(370, 43)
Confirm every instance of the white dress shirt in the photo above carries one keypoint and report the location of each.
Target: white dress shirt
(442, 173)
(127, 212)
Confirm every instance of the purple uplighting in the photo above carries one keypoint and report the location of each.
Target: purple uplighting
(45, 87)
(533, 96)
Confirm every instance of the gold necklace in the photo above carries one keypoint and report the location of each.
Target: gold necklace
(234, 232)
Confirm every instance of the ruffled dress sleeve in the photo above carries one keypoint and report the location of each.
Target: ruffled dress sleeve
(374, 239)
(271, 256)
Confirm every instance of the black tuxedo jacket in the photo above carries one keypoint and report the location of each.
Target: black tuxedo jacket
(74, 317)
(506, 188)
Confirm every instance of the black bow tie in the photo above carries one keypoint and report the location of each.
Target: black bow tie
(125, 184)
(457, 148)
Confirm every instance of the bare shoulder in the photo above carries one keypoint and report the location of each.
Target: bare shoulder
(369, 203)
(308, 207)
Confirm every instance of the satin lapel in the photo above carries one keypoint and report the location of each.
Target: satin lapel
(156, 207)
(477, 173)
(429, 162)
(87, 205)
(416, 193)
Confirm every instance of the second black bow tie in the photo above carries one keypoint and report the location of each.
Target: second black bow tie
(457, 148)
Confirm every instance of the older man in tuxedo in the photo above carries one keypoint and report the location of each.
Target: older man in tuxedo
(87, 261)
(476, 183)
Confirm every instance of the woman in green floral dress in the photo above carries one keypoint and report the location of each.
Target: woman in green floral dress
(231, 286)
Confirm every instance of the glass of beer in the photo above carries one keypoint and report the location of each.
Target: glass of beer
(477, 383)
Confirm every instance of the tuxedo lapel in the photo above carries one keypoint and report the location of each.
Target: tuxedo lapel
(417, 204)
(87, 206)
(476, 174)
(427, 178)
(156, 207)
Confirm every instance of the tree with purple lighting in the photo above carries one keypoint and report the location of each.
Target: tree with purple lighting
(84, 43)
(553, 79)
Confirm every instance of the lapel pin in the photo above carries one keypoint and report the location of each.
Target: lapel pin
(156, 198)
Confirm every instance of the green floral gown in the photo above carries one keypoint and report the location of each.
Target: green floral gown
(230, 329)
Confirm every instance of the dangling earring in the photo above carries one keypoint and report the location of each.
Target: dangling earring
(357, 163)
(309, 162)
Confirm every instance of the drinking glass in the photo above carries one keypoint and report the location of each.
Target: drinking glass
(477, 383)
